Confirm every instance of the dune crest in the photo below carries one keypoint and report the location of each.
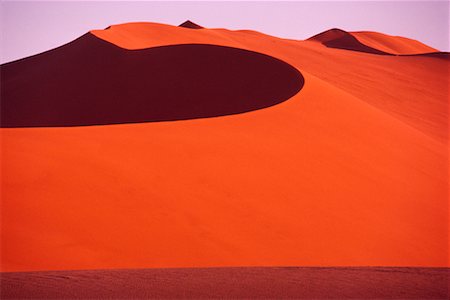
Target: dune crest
(190, 24)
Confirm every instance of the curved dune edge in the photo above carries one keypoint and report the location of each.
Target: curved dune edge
(342, 174)
(91, 82)
(198, 195)
(254, 283)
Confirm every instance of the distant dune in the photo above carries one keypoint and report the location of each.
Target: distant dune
(340, 39)
(191, 25)
(267, 152)
(371, 42)
(392, 44)
(230, 283)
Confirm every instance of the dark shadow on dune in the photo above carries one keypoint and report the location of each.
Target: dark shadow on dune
(231, 283)
(92, 82)
(440, 55)
(340, 39)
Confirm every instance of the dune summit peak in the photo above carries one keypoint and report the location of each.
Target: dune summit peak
(190, 24)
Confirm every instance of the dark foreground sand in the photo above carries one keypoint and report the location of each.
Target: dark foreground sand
(269, 282)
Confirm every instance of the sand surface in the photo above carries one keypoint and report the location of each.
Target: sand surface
(350, 171)
(230, 283)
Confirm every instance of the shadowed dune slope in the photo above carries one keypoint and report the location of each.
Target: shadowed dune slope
(230, 283)
(91, 82)
(351, 171)
(190, 24)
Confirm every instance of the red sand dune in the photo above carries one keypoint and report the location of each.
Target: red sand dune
(350, 171)
(230, 283)
(340, 39)
(392, 44)
(371, 42)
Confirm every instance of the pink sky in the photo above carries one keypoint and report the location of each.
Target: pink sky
(31, 27)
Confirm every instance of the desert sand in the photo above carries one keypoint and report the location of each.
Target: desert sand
(351, 170)
(230, 283)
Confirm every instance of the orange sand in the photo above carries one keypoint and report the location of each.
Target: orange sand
(352, 171)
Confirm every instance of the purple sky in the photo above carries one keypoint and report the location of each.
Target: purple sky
(31, 27)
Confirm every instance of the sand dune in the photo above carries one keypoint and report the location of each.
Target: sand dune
(392, 44)
(371, 42)
(234, 283)
(350, 171)
(340, 39)
(364, 76)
